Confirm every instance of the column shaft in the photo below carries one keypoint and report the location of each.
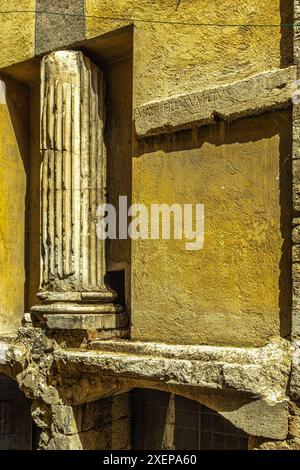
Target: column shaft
(73, 184)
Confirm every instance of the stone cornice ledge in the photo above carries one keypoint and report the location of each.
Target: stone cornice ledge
(252, 96)
(258, 372)
(240, 383)
(248, 386)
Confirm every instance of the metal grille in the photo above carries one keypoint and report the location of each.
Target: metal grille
(206, 429)
(15, 417)
(7, 417)
(191, 426)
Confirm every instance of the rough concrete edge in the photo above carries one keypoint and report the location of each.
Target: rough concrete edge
(260, 380)
(251, 96)
(200, 352)
(250, 394)
(2, 92)
(263, 374)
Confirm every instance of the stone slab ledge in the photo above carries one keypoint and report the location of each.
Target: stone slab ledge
(258, 372)
(246, 385)
(251, 96)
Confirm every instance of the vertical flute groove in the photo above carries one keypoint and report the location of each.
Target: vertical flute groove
(93, 180)
(73, 173)
(85, 150)
(76, 182)
(51, 180)
(44, 275)
(67, 176)
(101, 178)
(58, 180)
(44, 221)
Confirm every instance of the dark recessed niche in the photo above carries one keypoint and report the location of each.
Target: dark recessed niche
(116, 280)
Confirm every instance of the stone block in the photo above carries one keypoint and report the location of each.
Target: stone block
(251, 96)
(105, 321)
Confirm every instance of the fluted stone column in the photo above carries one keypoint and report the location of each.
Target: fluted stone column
(73, 184)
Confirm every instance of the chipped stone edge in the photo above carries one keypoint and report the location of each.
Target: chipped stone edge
(3, 352)
(242, 384)
(248, 97)
(2, 92)
(151, 361)
(258, 377)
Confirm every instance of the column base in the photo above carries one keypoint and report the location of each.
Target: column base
(69, 316)
(105, 295)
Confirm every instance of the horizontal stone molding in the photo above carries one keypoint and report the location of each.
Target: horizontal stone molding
(73, 309)
(87, 321)
(252, 96)
(242, 384)
(248, 386)
(260, 372)
(105, 296)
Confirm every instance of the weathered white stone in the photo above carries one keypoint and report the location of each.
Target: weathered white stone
(73, 174)
(3, 352)
(252, 371)
(251, 96)
(261, 419)
(295, 374)
(73, 185)
(86, 321)
(257, 376)
(248, 386)
(2, 92)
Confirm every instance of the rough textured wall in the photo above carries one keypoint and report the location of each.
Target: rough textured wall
(14, 111)
(99, 425)
(175, 58)
(235, 290)
(17, 31)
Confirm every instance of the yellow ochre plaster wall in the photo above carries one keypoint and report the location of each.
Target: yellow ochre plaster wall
(172, 58)
(14, 112)
(17, 31)
(236, 290)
